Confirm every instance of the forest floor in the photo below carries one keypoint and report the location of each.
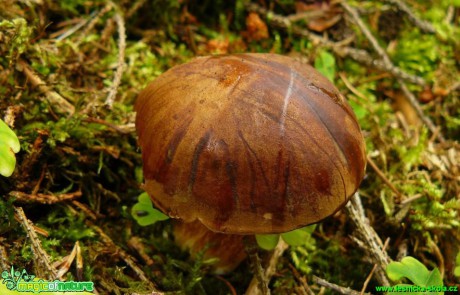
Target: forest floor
(70, 72)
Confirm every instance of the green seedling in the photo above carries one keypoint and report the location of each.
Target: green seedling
(457, 263)
(144, 213)
(9, 145)
(296, 237)
(413, 270)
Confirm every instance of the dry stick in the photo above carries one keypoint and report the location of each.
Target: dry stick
(93, 21)
(135, 7)
(121, 57)
(79, 263)
(39, 253)
(270, 268)
(339, 289)
(88, 211)
(386, 59)
(123, 254)
(369, 277)
(422, 24)
(260, 279)
(358, 55)
(4, 264)
(366, 32)
(43, 198)
(370, 241)
(384, 178)
(65, 265)
(124, 129)
(305, 287)
(55, 99)
(37, 229)
(76, 27)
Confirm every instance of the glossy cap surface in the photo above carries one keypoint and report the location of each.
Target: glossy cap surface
(248, 143)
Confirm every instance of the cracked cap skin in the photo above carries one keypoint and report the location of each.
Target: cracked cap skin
(248, 144)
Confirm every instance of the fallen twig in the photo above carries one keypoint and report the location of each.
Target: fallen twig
(386, 59)
(39, 253)
(260, 279)
(123, 254)
(337, 288)
(270, 268)
(55, 99)
(121, 57)
(305, 287)
(422, 24)
(4, 264)
(358, 55)
(65, 264)
(43, 198)
(369, 277)
(93, 21)
(370, 241)
(384, 178)
(135, 7)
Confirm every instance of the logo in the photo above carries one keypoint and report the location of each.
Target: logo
(21, 281)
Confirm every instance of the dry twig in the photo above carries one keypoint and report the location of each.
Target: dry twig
(4, 264)
(54, 98)
(39, 253)
(386, 59)
(305, 287)
(422, 24)
(121, 59)
(123, 254)
(370, 241)
(44, 198)
(270, 268)
(93, 21)
(66, 262)
(384, 178)
(358, 55)
(337, 288)
(260, 279)
(369, 277)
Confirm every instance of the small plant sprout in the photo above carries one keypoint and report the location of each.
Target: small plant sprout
(413, 270)
(144, 213)
(9, 145)
(293, 238)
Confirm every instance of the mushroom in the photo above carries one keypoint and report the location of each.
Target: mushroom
(246, 144)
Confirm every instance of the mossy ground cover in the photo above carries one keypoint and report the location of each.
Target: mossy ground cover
(70, 72)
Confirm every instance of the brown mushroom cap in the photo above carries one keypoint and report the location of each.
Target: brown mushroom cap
(248, 143)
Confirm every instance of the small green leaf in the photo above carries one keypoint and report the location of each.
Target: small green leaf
(325, 64)
(434, 279)
(299, 236)
(267, 242)
(457, 268)
(410, 268)
(144, 213)
(9, 145)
